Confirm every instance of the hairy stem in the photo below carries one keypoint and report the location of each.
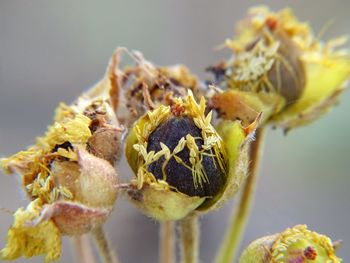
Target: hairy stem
(167, 242)
(233, 237)
(104, 249)
(83, 250)
(189, 231)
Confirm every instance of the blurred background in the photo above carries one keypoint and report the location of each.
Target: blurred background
(50, 51)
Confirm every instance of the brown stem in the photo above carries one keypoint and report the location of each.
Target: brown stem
(167, 242)
(234, 233)
(189, 230)
(104, 249)
(83, 250)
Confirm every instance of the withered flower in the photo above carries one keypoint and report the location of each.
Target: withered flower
(181, 162)
(68, 176)
(279, 68)
(145, 86)
(296, 244)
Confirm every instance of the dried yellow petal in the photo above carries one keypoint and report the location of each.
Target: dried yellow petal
(74, 130)
(28, 240)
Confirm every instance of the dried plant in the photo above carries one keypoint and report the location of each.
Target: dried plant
(190, 145)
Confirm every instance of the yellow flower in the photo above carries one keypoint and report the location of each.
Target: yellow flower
(281, 69)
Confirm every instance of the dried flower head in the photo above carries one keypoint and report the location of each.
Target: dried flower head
(294, 245)
(68, 176)
(145, 86)
(180, 161)
(279, 68)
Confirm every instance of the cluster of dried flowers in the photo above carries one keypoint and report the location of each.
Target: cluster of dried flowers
(186, 143)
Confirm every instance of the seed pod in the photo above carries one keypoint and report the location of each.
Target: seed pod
(297, 244)
(182, 132)
(179, 158)
(280, 69)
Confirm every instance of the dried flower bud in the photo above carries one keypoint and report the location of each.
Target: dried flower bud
(180, 160)
(68, 176)
(280, 69)
(297, 244)
(145, 86)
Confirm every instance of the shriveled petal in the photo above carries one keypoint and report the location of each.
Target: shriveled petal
(25, 239)
(73, 130)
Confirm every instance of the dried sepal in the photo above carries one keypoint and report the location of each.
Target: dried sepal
(237, 141)
(73, 218)
(327, 77)
(244, 106)
(297, 244)
(92, 180)
(159, 201)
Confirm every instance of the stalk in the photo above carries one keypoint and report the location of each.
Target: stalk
(167, 242)
(83, 250)
(233, 237)
(190, 234)
(103, 246)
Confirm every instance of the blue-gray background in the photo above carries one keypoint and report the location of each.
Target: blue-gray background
(50, 51)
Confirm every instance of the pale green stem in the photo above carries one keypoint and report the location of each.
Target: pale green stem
(83, 249)
(103, 246)
(189, 234)
(167, 242)
(233, 237)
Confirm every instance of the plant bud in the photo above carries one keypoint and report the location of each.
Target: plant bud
(180, 160)
(297, 244)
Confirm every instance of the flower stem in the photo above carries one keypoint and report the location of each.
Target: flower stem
(83, 249)
(107, 255)
(167, 242)
(230, 244)
(189, 231)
